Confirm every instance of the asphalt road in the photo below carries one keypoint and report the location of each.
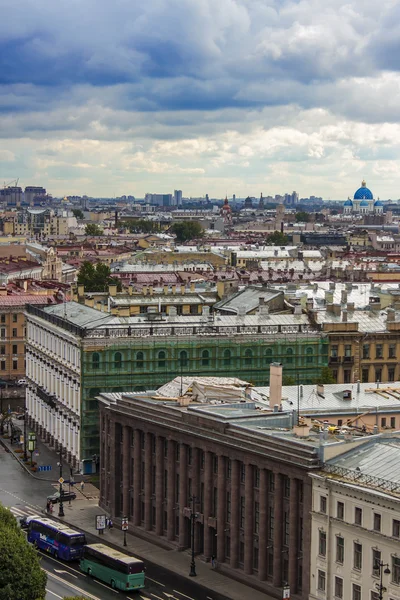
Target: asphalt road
(25, 495)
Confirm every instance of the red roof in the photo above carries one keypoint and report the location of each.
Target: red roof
(22, 299)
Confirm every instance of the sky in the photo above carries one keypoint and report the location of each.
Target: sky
(111, 97)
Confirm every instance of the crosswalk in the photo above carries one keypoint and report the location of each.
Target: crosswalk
(24, 511)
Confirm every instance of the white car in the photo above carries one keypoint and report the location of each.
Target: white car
(21, 382)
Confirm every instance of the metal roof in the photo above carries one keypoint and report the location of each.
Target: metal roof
(380, 458)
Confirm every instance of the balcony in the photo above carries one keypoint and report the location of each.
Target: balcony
(335, 360)
(49, 399)
(348, 360)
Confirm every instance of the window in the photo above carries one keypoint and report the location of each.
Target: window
(3, 365)
(377, 522)
(255, 559)
(15, 349)
(358, 515)
(242, 472)
(15, 364)
(256, 517)
(271, 522)
(289, 355)
(378, 374)
(338, 587)
(365, 375)
(347, 351)
(256, 477)
(139, 360)
(183, 359)
(228, 468)
(322, 543)
(189, 455)
(357, 556)
(322, 504)
(339, 549)
(227, 358)
(3, 332)
(396, 569)
(205, 358)
(321, 581)
(365, 352)
(391, 373)
(248, 357)
(347, 376)
(3, 318)
(161, 359)
(285, 529)
(228, 507)
(118, 360)
(271, 481)
(286, 487)
(396, 528)
(334, 351)
(268, 356)
(14, 333)
(374, 596)
(202, 460)
(376, 561)
(393, 422)
(340, 510)
(356, 592)
(95, 360)
(215, 464)
(242, 511)
(15, 318)
(379, 351)
(392, 350)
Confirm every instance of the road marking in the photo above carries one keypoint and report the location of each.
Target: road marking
(140, 596)
(154, 596)
(170, 596)
(65, 573)
(180, 593)
(71, 585)
(157, 582)
(54, 594)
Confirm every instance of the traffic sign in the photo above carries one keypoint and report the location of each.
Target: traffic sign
(100, 522)
(44, 468)
(286, 593)
(124, 524)
(61, 480)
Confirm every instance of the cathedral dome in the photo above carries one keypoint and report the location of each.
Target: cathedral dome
(364, 203)
(348, 202)
(363, 193)
(378, 203)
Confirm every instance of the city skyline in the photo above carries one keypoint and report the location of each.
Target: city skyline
(105, 100)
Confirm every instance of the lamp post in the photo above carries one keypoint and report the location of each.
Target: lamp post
(193, 516)
(382, 588)
(61, 505)
(25, 419)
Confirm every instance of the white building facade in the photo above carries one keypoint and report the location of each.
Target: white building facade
(355, 525)
(53, 398)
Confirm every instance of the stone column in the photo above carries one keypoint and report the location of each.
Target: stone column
(171, 492)
(159, 485)
(137, 471)
(196, 489)
(235, 493)
(278, 511)
(148, 502)
(293, 534)
(305, 552)
(182, 494)
(112, 465)
(221, 516)
(262, 536)
(208, 492)
(248, 521)
(126, 461)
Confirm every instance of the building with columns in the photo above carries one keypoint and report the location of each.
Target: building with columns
(247, 471)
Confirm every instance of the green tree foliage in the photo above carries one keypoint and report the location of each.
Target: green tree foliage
(21, 577)
(93, 229)
(96, 278)
(140, 226)
(326, 376)
(187, 231)
(77, 213)
(302, 216)
(277, 239)
(288, 380)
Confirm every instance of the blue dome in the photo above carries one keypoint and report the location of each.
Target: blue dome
(348, 203)
(364, 203)
(363, 192)
(378, 203)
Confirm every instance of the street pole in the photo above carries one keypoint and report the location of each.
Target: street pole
(25, 418)
(381, 571)
(193, 518)
(61, 505)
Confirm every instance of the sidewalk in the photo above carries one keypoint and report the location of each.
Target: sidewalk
(81, 513)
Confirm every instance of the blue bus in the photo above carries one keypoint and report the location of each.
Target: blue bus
(57, 539)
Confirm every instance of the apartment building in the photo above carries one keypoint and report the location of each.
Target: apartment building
(355, 524)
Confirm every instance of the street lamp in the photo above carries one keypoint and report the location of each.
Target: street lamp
(193, 516)
(61, 505)
(382, 588)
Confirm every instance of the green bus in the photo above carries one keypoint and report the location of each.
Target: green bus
(121, 571)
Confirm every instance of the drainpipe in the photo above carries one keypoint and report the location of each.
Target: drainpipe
(330, 551)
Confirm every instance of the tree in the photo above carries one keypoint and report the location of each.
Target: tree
(93, 229)
(277, 239)
(326, 376)
(96, 278)
(302, 216)
(21, 577)
(187, 231)
(77, 213)
(288, 380)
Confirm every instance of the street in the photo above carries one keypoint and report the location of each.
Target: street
(25, 495)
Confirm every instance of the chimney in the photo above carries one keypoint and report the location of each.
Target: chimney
(183, 288)
(174, 289)
(172, 313)
(344, 316)
(275, 384)
(150, 290)
(261, 300)
(297, 309)
(344, 297)
(358, 386)
(328, 297)
(192, 287)
(315, 287)
(130, 289)
(350, 306)
(81, 291)
(329, 308)
(112, 290)
(336, 309)
(165, 288)
(144, 290)
(332, 286)
(391, 315)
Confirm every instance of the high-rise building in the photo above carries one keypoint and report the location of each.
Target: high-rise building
(32, 192)
(12, 196)
(159, 199)
(178, 197)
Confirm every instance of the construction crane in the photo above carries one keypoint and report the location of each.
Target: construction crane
(14, 181)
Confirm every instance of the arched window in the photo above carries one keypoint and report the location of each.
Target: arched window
(183, 358)
(205, 358)
(268, 356)
(289, 355)
(310, 355)
(227, 358)
(248, 357)
(161, 359)
(139, 360)
(118, 360)
(96, 360)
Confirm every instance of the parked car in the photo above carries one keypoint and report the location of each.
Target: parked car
(24, 521)
(5, 384)
(54, 498)
(21, 382)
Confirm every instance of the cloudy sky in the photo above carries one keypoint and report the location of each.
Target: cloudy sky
(110, 97)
